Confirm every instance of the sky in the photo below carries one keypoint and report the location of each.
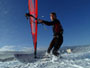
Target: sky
(74, 16)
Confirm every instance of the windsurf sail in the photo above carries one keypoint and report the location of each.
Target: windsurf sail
(33, 10)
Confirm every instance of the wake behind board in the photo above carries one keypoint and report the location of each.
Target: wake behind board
(29, 58)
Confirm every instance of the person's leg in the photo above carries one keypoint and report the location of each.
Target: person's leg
(51, 45)
(57, 45)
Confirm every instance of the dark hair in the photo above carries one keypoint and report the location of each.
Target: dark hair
(53, 13)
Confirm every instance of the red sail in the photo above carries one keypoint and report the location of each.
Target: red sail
(33, 10)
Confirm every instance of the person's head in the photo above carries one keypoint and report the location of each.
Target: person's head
(53, 16)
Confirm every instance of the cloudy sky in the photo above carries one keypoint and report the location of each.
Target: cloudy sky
(15, 28)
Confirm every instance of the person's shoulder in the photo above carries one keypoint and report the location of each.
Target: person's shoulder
(57, 21)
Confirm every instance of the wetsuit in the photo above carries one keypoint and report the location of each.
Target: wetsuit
(58, 36)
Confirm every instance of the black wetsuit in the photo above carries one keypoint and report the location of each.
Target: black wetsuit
(58, 35)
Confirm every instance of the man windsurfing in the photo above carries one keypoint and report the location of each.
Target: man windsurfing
(58, 33)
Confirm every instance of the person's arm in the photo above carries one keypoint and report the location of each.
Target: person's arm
(46, 22)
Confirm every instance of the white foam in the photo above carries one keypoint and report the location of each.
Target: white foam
(72, 60)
